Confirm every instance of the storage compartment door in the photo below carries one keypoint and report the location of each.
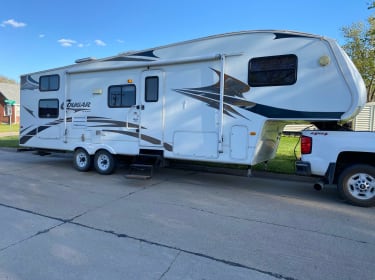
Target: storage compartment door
(239, 142)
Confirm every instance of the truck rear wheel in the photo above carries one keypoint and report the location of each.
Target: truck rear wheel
(356, 185)
(81, 160)
(104, 162)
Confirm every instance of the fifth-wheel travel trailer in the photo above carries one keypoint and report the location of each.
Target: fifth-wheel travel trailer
(222, 99)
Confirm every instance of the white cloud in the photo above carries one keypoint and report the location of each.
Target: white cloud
(42, 35)
(100, 43)
(83, 45)
(66, 42)
(13, 23)
(70, 43)
(120, 41)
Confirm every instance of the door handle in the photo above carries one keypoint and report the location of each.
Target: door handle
(140, 107)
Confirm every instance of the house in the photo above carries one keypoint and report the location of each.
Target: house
(9, 92)
(365, 120)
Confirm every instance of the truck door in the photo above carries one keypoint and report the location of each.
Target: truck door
(151, 108)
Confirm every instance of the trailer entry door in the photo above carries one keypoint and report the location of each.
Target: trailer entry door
(151, 108)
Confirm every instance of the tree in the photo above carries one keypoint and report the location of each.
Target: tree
(360, 46)
(372, 6)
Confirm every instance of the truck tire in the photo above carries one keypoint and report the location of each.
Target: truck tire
(356, 185)
(104, 162)
(82, 160)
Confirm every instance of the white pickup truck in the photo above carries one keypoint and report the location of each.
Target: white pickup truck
(345, 158)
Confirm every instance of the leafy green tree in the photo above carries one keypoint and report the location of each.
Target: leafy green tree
(372, 6)
(360, 46)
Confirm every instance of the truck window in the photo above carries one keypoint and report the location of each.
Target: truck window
(121, 96)
(48, 108)
(49, 83)
(272, 70)
(152, 89)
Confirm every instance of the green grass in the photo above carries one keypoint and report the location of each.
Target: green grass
(9, 142)
(9, 128)
(285, 157)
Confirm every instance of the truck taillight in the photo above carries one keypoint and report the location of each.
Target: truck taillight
(306, 145)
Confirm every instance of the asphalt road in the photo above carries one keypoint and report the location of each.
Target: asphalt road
(57, 223)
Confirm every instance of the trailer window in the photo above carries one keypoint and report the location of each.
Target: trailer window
(273, 70)
(121, 96)
(49, 83)
(48, 108)
(152, 89)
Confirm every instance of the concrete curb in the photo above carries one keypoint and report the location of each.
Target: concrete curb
(6, 134)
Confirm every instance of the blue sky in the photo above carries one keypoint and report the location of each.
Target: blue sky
(41, 34)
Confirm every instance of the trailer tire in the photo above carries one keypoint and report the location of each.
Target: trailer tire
(82, 161)
(104, 162)
(356, 185)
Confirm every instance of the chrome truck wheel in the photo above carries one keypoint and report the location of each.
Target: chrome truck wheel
(356, 185)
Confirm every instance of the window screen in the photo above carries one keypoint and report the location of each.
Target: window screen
(152, 89)
(48, 108)
(273, 70)
(121, 96)
(49, 83)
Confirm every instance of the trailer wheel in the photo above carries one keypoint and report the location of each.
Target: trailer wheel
(82, 160)
(104, 162)
(356, 185)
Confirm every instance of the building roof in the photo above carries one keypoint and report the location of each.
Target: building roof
(10, 91)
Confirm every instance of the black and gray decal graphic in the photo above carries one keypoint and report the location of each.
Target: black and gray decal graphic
(276, 113)
(127, 58)
(233, 89)
(290, 35)
(168, 147)
(106, 122)
(141, 56)
(146, 53)
(136, 134)
(234, 100)
(28, 83)
(31, 112)
(94, 122)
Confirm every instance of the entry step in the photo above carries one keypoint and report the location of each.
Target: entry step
(140, 171)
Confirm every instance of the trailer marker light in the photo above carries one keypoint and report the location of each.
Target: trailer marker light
(97, 91)
(324, 60)
(130, 81)
(253, 133)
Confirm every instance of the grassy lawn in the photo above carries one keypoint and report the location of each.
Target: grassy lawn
(9, 128)
(285, 157)
(9, 142)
